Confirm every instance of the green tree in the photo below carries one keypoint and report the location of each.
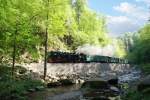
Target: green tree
(141, 47)
(91, 26)
(16, 28)
(67, 29)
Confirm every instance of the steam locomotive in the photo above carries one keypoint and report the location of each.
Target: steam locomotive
(65, 57)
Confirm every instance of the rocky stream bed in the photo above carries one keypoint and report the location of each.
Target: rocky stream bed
(93, 89)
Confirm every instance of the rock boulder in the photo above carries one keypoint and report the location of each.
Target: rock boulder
(95, 84)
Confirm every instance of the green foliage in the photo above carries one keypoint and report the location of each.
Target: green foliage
(91, 26)
(5, 73)
(146, 68)
(120, 49)
(132, 95)
(15, 21)
(15, 89)
(141, 48)
(135, 95)
(70, 24)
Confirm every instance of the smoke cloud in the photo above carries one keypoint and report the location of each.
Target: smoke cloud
(87, 49)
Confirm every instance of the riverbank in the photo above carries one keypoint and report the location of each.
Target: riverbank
(57, 92)
(139, 90)
(26, 87)
(18, 86)
(74, 93)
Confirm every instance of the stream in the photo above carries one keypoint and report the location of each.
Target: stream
(74, 93)
(57, 93)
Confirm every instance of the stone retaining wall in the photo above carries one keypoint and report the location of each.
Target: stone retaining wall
(83, 71)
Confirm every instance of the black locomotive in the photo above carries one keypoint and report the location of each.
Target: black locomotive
(65, 57)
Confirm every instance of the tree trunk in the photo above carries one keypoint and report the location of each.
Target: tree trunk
(14, 52)
(46, 40)
(45, 57)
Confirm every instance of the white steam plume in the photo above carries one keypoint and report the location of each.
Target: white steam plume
(87, 49)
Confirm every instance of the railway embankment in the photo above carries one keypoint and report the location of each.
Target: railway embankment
(78, 72)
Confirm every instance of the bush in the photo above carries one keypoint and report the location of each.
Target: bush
(15, 89)
(132, 95)
(146, 68)
(135, 95)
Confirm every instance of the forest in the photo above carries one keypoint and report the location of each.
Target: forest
(29, 29)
